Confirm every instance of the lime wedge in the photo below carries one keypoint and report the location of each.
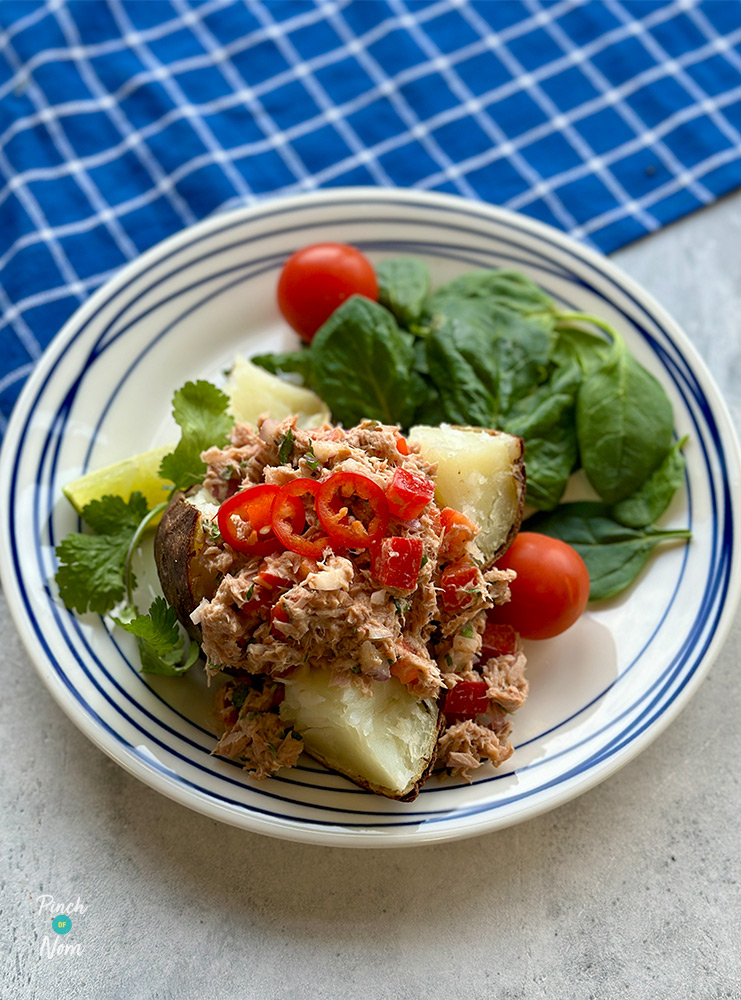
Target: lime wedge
(122, 479)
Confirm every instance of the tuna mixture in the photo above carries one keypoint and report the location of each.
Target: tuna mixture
(409, 602)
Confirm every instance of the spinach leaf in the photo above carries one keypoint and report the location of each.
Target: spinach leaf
(652, 498)
(403, 286)
(624, 424)
(522, 351)
(506, 352)
(504, 287)
(464, 399)
(290, 361)
(545, 420)
(471, 330)
(589, 350)
(614, 553)
(362, 365)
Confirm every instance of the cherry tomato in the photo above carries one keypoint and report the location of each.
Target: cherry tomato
(551, 589)
(317, 279)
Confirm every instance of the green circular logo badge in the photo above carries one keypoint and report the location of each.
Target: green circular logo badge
(61, 924)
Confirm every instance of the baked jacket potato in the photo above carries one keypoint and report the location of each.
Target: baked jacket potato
(384, 738)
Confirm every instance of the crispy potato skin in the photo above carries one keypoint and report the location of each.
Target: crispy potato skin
(178, 541)
(412, 795)
(520, 478)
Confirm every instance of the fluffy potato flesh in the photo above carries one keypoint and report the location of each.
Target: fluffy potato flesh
(481, 473)
(384, 741)
(253, 391)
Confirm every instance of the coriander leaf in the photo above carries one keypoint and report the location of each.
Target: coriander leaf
(624, 424)
(111, 514)
(362, 365)
(159, 640)
(91, 571)
(200, 409)
(403, 285)
(286, 447)
(614, 553)
(652, 498)
(92, 567)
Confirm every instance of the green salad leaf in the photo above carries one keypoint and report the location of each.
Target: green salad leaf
(614, 553)
(544, 419)
(652, 498)
(92, 567)
(200, 410)
(403, 286)
(362, 365)
(159, 640)
(624, 424)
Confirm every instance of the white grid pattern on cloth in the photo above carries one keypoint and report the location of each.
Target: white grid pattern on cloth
(595, 194)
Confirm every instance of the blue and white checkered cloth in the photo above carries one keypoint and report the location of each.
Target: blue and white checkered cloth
(122, 122)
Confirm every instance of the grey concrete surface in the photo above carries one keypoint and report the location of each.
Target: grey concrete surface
(631, 891)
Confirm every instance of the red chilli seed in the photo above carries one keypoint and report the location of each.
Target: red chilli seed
(340, 500)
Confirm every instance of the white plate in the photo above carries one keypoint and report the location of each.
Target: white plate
(599, 693)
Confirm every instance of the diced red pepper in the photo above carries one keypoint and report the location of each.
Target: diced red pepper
(450, 518)
(457, 583)
(467, 699)
(458, 530)
(270, 580)
(262, 594)
(395, 562)
(408, 494)
(352, 509)
(289, 519)
(498, 640)
(401, 445)
(406, 672)
(278, 614)
(253, 506)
